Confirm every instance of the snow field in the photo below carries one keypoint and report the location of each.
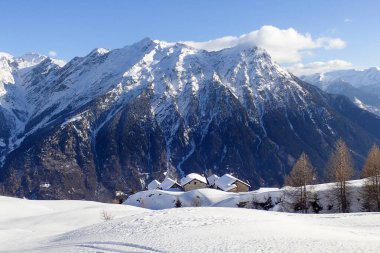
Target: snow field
(76, 226)
(25, 221)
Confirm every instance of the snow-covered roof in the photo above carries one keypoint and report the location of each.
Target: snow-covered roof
(226, 187)
(154, 185)
(212, 179)
(227, 182)
(191, 177)
(168, 183)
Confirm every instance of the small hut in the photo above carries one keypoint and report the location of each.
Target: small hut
(230, 183)
(170, 184)
(211, 180)
(154, 185)
(193, 181)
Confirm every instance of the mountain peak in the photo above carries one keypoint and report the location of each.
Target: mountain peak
(357, 78)
(145, 40)
(99, 52)
(102, 51)
(29, 60)
(374, 69)
(4, 55)
(144, 43)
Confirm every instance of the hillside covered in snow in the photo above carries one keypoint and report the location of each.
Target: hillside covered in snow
(77, 226)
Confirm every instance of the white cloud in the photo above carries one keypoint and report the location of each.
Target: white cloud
(284, 45)
(347, 20)
(331, 43)
(319, 66)
(52, 54)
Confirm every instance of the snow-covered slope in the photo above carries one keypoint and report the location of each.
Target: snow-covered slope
(23, 222)
(65, 226)
(18, 79)
(361, 86)
(357, 78)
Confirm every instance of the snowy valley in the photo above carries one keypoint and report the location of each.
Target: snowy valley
(189, 126)
(218, 225)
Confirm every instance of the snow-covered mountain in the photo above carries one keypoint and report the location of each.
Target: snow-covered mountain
(361, 86)
(111, 120)
(356, 78)
(18, 79)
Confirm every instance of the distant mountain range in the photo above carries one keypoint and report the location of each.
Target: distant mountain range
(361, 86)
(113, 120)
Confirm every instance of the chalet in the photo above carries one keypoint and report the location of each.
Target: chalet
(170, 184)
(230, 183)
(193, 181)
(154, 185)
(211, 180)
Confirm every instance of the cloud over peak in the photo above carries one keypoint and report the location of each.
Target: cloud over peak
(319, 67)
(284, 45)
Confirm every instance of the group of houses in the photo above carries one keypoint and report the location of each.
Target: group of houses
(195, 181)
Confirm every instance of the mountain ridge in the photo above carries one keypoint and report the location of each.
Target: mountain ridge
(361, 86)
(112, 120)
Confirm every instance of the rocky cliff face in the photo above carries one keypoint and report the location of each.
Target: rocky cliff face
(113, 120)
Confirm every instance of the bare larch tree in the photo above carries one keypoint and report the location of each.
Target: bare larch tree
(371, 173)
(301, 175)
(340, 170)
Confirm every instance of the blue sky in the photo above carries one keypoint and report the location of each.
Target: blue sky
(73, 28)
